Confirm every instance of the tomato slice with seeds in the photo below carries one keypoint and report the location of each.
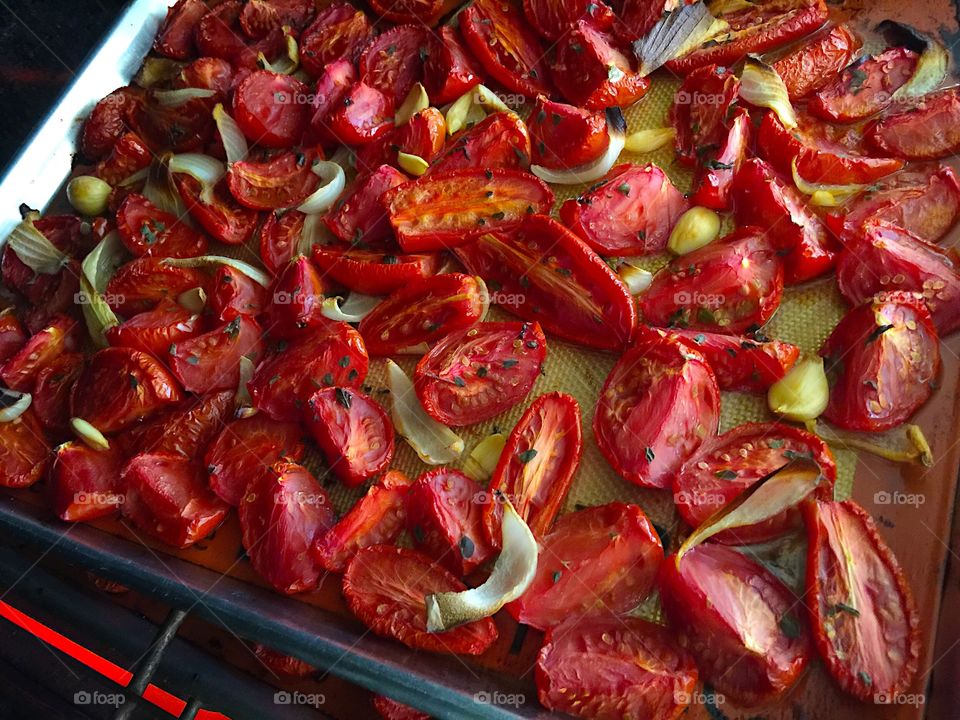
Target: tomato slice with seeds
(499, 140)
(537, 465)
(375, 519)
(208, 74)
(339, 32)
(861, 609)
(280, 238)
(630, 212)
(924, 200)
(175, 37)
(714, 179)
(593, 69)
(761, 198)
(51, 391)
(445, 210)
(726, 466)
(564, 136)
(143, 283)
(211, 361)
(283, 665)
(154, 330)
(85, 483)
(120, 386)
(44, 347)
(596, 561)
(108, 121)
(883, 356)
(353, 431)
(246, 448)
(145, 230)
(424, 311)
(732, 285)
(540, 271)
(370, 272)
(332, 86)
(817, 62)
(393, 710)
(128, 156)
(393, 61)
(700, 111)
(385, 588)
(615, 668)
(422, 135)
(295, 13)
(271, 109)
(445, 520)
(167, 498)
(282, 513)
(883, 257)
(424, 12)
(927, 131)
(258, 18)
(553, 18)
(323, 356)
(450, 69)
(12, 335)
(223, 217)
(506, 46)
(363, 115)
(475, 374)
(754, 29)
(866, 87)
(296, 299)
(737, 620)
(359, 217)
(24, 451)
(819, 158)
(188, 428)
(658, 405)
(232, 293)
(283, 181)
(745, 363)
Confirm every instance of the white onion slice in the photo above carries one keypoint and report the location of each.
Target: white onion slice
(234, 142)
(13, 404)
(675, 33)
(762, 86)
(176, 98)
(206, 170)
(635, 278)
(255, 274)
(644, 141)
(595, 169)
(289, 63)
(332, 182)
(160, 190)
(96, 270)
(34, 249)
(434, 443)
(242, 400)
(354, 309)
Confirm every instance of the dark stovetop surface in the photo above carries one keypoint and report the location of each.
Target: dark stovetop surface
(42, 44)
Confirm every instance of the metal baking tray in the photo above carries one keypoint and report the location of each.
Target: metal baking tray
(448, 686)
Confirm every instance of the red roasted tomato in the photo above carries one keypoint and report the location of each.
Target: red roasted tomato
(537, 465)
(475, 374)
(445, 520)
(385, 588)
(167, 497)
(143, 283)
(499, 140)
(145, 229)
(542, 272)
(363, 115)
(422, 135)
(220, 33)
(220, 215)
(232, 293)
(424, 311)
(598, 561)
(862, 612)
(107, 123)
(701, 111)
(296, 299)
(12, 336)
(281, 181)
(716, 171)
(43, 348)
(614, 668)
(339, 32)
(657, 406)
(865, 88)
(927, 131)
(423, 12)
(732, 285)
(553, 18)
(51, 391)
(271, 109)
(450, 70)
(127, 156)
(175, 37)
(392, 62)
(188, 428)
(247, 448)
(884, 356)
(155, 330)
(376, 518)
(358, 217)
(85, 483)
(281, 664)
(332, 86)
(564, 136)
(353, 431)
(120, 386)
(372, 273)
(630, 212)
(280, 238)
(212, 361)
(282, 513)
(726, 466)
(817, 61)
(392, 710)
(24, 451)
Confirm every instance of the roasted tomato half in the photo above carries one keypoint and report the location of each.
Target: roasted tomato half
(145, 229)
(12, 335)
(281, 181)
(24, 451)
(393, 710)
(108, 121)
(296, 299)
(596, 561)
(927, 131)
(726, 466)
(630, 212)
(883, 257)
(445, 520)
(732, 285)
(331, 88)
(392, 61)
(500, 140)
(445, 210)
(818, 61)
(339, 32)
(475, 374)
(167, 497)
(657, 406)
(866, 87)
(376, 518)
(247, 448)
(540, 271)
(44, 347)
(362, 116)
(220, 214)
(739, 622)
(450, 70)
(51, 391)
(232, 293)
(188, 428)
(271, 109)
(155, 330)
(85, 483)
(353, 431)
(120, 386)
(761, 198)
(370, 272)
(282, 513)
(212, 361)
(564, 136)
(884, 357)
(280, 238)
(385, 588)
(358, 217)
(142, 283)
(701, 110)
(537, 465)
(613, 668)
(862, 612)
(422, 135)
(424, 311)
